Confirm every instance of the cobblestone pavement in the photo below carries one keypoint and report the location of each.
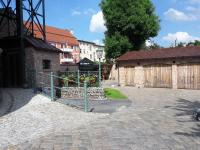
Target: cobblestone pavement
(159, 119)
(26, 116)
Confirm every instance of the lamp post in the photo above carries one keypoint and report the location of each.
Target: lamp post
(99, 56)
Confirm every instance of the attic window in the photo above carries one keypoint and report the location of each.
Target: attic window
(46, 64)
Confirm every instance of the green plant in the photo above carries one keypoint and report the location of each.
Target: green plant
(114, 94)
(66, 81)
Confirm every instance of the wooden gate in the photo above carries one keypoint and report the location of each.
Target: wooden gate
(129, 76)
(189, 76)
(158, 76)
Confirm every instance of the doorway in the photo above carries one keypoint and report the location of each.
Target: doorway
(10, 69)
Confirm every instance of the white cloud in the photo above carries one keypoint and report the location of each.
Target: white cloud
(88, 11)
(75, 13)
(173, 14)
(149, 43)
(180, 37)
(97, 23)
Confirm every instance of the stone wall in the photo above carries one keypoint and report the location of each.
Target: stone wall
(34, 61)
(8, 29)
(93, 93)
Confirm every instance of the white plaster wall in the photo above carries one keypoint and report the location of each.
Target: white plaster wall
(89, 49)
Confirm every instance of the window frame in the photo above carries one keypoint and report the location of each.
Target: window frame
(46, 64)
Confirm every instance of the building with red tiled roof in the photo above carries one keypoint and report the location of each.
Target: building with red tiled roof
(64, 40)
(165, 53)
(177, 68)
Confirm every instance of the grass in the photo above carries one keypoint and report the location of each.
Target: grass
(114, 94)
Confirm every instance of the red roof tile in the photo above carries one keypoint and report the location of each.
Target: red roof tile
(57, 35)
(191, 51)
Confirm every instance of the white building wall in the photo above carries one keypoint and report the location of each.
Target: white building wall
(88, 50)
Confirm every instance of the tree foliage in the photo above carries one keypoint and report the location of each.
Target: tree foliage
(181, 44)
(132, 21)
(116, 45)
(195, 43)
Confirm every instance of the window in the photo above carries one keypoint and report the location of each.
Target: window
(46, 64)
(63, 46)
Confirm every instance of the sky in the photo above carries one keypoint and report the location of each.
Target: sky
(180, 19)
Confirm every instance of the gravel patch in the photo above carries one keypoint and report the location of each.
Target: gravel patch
(33, 116)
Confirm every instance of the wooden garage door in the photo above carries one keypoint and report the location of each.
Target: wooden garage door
(158, 76)
(189, 76)
(129, 76)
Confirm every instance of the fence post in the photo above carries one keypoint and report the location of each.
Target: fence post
(78, 78)
(85, 97)
(52, 87)
(99, 73)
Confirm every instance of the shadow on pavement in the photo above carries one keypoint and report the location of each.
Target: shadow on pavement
(14, 99)
(194, 133)
(185, 108)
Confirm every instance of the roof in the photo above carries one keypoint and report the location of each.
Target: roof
(85, 61)
(41, 45)
(88, 42)
(83, 41)
(57, 35)
(165, 53)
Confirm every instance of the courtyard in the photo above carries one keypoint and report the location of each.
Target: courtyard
(157, 119)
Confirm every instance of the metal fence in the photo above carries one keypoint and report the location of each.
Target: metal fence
(92, 78)
(55, 87)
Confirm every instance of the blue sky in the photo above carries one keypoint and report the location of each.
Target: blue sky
(180, 19)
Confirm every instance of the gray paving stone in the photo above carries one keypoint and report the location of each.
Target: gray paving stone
(158, 119)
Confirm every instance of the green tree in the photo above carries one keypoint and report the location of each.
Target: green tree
(195, 43)
(181, 44)
(134, 21)
(116, 45)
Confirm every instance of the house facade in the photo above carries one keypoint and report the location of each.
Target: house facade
(41, 59)
(65, 41)
(33, 69)
(177, 68)
(88, 50)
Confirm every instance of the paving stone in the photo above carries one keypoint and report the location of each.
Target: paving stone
(157, 120)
